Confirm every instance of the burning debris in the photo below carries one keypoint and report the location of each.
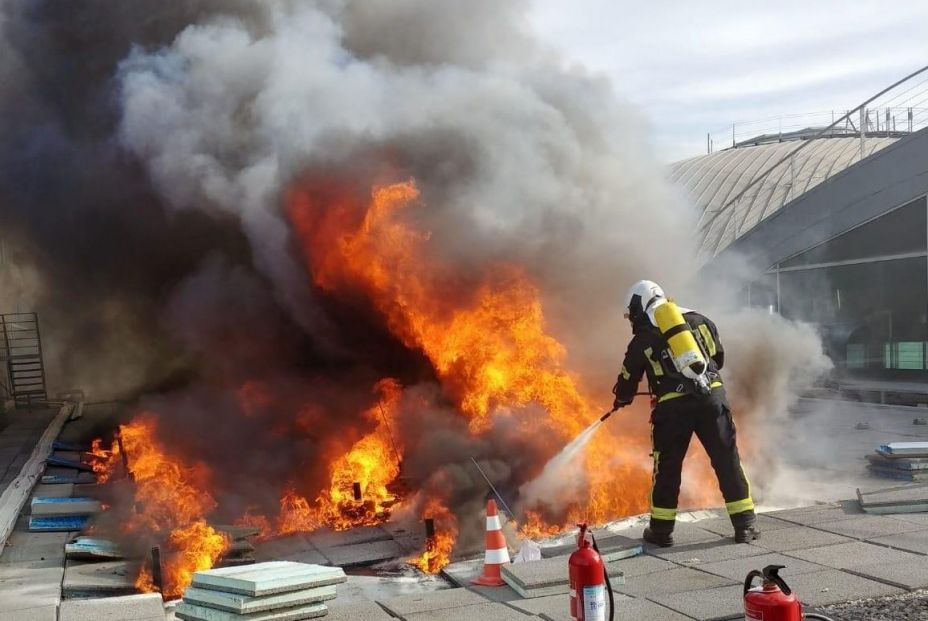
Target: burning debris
(171, 500)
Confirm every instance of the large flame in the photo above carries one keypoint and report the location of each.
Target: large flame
(487, 342)
(483, 332)
(171, 501)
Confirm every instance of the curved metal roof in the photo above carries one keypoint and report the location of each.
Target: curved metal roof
(714, 181)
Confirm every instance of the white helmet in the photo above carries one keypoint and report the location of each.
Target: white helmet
(642, 298)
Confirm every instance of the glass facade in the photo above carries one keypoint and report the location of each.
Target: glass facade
(866, 290)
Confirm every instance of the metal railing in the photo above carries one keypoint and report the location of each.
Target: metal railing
(884, 121)
(862, 121)
(21, 355)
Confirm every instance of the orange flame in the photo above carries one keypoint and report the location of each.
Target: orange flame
(373, 462)
(103, 461)
(170, 497)
(489, 349)
(484, 333)
(437, 553)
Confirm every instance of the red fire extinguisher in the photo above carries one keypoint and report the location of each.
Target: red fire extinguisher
(773, 600)
(589, 582)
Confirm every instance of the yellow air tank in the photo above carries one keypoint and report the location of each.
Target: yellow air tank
(685, 351)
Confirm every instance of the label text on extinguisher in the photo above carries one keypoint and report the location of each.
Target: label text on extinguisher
(594, 603)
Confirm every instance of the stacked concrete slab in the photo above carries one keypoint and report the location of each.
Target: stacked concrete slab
(904, 499)
(905, 461)
(273, 591)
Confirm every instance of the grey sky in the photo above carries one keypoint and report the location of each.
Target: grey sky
(694, 67)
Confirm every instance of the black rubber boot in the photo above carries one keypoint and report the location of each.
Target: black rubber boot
(660, 538)
(745, 525)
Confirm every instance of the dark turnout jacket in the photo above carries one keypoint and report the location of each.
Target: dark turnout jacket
(649, 353)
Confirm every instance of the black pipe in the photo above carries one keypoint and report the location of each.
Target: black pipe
(606, 576)
(815, 615)
(156, 576)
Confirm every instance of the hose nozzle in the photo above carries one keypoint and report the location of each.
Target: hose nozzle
(603, 418)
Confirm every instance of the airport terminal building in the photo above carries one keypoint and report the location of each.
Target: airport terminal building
(835, 226)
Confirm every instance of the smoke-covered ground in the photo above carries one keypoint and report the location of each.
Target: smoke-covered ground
(148, 151)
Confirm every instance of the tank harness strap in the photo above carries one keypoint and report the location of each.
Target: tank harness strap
(673, 395)
(677, 329)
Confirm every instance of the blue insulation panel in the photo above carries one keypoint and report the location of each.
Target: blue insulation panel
(57, 523)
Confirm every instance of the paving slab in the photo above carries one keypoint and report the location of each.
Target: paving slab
(854, 554)
(190, 612)
(869, 526)
(462, 572)
(25, 538)
(910, 574)
(697, 554)
(722, 526)
(737, 568)
(41, 613)
(911, 542)
(82, 579)
(671, 581)
(796, 538)
(555, 606)
(552, 606)
(725, 602)
(912, 518)
(641, 565)
(268, 578)
(360, 554)
(501, 594)
(831, 586)
(244, 604)
(429, 602)
(36, 552)
(29, 585)
(326, 538)
(479, 612)
(817, 514)
(357, 611)
(683, 534)
(289, 548)
(139, 607)
(607, 541)
(636, 609)
(551, 572)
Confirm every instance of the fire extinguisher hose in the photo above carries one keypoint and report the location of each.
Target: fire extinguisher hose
(606, 576)
(815, 615)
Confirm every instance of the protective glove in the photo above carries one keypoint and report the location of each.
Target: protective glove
(619, 403)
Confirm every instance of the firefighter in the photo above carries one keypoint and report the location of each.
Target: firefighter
(680, 352)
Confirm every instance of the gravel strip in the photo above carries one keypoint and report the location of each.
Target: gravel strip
(909, 607)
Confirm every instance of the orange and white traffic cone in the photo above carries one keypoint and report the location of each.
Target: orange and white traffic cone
(497, 552)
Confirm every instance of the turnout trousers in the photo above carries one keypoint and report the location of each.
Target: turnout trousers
(673, 423)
